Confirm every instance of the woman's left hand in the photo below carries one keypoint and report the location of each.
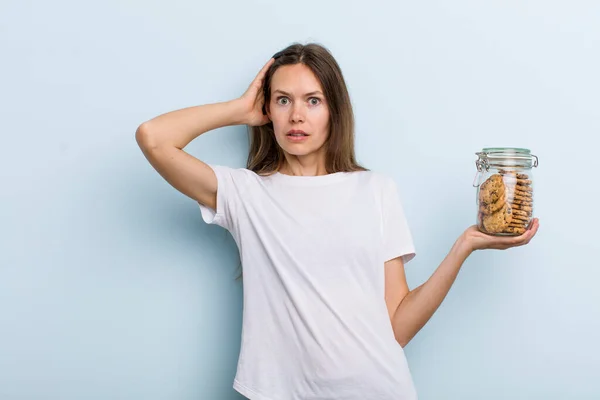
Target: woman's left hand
(477, 240)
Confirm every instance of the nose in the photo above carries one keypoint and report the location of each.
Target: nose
(297, 113)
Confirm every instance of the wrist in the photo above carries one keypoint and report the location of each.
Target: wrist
(463, 246)
(237, 112)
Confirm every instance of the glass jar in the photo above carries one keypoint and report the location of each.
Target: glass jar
(505, 190)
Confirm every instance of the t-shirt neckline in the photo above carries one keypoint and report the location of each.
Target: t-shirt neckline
(310, 180)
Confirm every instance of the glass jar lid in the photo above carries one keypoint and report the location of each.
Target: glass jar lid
(505, 157)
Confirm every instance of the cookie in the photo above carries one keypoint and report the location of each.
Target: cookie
(491, 190)
(521, 202)
(523, 194)
(521, 207)
(523, 188)
(519, 195)
(514, 189)
(492, 207)
(516, 230)
(498, 221)
(521, 212)
(518, 222)
(515, 198)
(521, 217)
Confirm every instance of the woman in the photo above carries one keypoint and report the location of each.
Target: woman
(323, 241)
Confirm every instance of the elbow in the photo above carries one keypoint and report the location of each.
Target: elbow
(401, 339)
(144, 138)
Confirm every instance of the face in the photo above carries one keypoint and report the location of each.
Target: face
(298, 110)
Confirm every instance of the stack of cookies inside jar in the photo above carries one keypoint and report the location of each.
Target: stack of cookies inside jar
(505, 196)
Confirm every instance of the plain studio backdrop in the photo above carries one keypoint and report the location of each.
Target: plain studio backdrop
(111, 286)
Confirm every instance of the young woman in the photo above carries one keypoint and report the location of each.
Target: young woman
(322, 240)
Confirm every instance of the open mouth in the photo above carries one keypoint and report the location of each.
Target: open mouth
(297, 133)
(297, 136)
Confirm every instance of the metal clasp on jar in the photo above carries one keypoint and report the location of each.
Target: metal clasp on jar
(481, 164)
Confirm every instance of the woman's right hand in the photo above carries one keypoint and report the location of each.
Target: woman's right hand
(252, 101)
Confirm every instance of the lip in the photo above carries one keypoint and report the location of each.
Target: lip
(293, 131)
(296, 139)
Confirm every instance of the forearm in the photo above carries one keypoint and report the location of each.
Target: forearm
(178, 128)
(420, 304)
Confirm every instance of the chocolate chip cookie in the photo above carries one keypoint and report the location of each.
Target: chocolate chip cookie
(497, 221)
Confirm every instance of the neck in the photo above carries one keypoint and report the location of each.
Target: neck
(309, 165)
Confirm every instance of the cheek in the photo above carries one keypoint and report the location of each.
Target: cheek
(322, 120)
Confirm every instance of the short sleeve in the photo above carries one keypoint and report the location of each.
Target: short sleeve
(397, 238)
(230, 184)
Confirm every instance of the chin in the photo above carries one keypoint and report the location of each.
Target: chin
(298, 150)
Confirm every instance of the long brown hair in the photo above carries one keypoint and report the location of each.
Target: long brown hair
(266, 156)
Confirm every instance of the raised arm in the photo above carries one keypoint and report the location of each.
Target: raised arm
(163, 138)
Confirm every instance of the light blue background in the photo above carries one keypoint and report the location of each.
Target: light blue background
(111, 287)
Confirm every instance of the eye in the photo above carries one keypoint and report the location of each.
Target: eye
(282, 101)
(314, 101)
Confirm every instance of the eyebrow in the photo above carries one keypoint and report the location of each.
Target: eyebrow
(307, 94)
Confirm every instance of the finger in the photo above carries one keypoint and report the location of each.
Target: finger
(532, 230)
(511, 241)
(260, 97)
(533, 224)
(263, 71)
(524, 238)
(257, 83)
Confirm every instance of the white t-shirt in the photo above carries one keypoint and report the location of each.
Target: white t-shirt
(315, 323)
